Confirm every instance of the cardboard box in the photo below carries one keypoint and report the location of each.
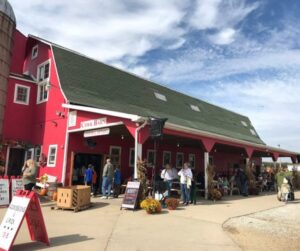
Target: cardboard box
(74, 196)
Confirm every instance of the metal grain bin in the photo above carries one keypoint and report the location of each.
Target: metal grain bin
(7, 27)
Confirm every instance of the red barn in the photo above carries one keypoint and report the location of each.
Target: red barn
(66, 110)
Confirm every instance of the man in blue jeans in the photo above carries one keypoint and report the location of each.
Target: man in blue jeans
(107, 178)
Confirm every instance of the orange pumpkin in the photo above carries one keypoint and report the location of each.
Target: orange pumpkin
(54, 196)
(43, 192)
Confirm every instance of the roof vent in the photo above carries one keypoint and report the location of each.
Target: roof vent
(253, 132)
(195, 108)
(244, 123)
(160, 96)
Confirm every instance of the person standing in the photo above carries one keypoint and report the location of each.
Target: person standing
(186, 177)
(193, 193)
(285, 189)
(30, 171)
(88, 176)
(117, 181)
(107, 178)
(94, 181)
(81, 173)
(244, 182)
(168, 175)
(279, 177)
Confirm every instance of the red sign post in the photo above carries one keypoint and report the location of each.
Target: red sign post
(24, 204)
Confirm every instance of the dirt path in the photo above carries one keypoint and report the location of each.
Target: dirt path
(273, 229)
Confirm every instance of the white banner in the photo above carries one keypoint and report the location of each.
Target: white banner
(16, 184)
(4, 192)
(97, 132)
(12, 221)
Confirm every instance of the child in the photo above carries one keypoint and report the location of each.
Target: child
(285, 189)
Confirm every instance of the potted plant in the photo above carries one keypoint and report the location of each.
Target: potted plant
(151, 206)
(172, 203)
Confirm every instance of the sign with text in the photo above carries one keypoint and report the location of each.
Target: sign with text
(4, 192)
(97, 132)
(24, 205)
(16, 184)
(12, 221)
(93, 123)
(131, 195)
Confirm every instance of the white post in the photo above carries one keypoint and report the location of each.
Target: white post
(275, 164)
(65, 159)
(7, 159)
(247, 161)
(137, 155)
(206, 163)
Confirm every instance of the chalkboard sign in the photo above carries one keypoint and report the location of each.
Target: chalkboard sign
(131, 194)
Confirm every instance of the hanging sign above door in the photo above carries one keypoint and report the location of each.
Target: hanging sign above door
(97, 132)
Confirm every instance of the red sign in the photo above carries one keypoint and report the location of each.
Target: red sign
(24, 204)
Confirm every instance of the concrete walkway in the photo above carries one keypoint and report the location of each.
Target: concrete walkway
(106, 227)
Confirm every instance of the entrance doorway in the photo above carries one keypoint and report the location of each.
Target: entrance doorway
(81, 161)
(16, 161)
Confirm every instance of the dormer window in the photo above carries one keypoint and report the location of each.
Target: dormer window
(160, 96)
(195, 108)
(244, 123)
(253, 132)
(34, 52)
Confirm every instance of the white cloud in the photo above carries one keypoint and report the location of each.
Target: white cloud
(272, 105)
(225, 36)
(197, 65)
(205, 15)
(107, 30)
(218, 14)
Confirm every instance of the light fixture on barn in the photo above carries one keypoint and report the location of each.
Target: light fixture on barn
(48, 86)
(60, 114)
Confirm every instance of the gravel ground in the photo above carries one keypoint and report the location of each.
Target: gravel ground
(273, 229)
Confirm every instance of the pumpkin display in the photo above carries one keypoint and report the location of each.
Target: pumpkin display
(43, 192)
(54, 196)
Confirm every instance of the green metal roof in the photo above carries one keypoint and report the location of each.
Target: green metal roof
(91, 83)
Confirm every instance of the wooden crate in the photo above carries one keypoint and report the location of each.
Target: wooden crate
(73, 197)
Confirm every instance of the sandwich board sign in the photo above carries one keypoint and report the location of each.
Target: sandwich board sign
(131, 194)
(16, 184)
(4, 192)
(24, 205)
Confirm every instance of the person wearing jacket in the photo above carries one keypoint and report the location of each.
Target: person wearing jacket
(107, 178)
(30, 171)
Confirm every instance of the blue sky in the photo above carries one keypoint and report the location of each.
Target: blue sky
(241, 55)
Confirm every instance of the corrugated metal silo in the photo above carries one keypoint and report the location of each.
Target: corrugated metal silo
(7, 27)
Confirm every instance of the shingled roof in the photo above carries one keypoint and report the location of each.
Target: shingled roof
(91, 83)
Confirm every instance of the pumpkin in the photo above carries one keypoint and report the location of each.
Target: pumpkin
(43, 192)
(54, 196)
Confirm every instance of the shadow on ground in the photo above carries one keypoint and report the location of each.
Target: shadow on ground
(54, 242)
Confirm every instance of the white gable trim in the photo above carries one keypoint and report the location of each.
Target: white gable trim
(103, 111)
